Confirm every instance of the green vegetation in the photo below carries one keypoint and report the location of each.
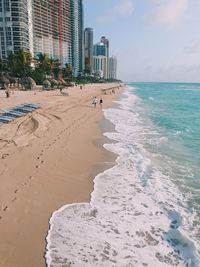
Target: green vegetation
(20, 65)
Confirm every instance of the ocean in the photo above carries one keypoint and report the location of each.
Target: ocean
(144, 211)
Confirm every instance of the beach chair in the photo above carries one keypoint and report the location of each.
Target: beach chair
(7, 116)
(5, 119)
(24, 109)
(32, 105)
(12, 112)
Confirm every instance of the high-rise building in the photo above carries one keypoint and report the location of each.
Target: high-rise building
(14, 26)
(36, 26)
(101, 50)
(113, 67)
(77, 36)
(51, 29)
(88, 45)
(105, 41)
(100, 66)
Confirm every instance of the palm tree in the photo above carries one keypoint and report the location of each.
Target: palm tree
(51, 65)
(68, 71)
(20, 63)
(43, 62)
(3, 65)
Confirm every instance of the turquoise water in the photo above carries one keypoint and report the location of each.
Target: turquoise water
(174, 110)
(145, 210)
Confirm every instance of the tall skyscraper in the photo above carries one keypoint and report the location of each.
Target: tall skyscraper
(77, 36)
(113, 67)
(51, 29)
(101, 50)
(14, 26)
(88, 45)
(105, 41)
(100, 66)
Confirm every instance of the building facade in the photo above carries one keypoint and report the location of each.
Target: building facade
(38, 26)
(105, 41)
(51, 29)
(77, 37)
(101, 50)
(113, 67)
(14, 26)
(100, 66)
(88, 46)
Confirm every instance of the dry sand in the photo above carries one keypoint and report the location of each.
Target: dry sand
(47, 159)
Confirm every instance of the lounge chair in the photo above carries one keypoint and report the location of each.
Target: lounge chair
(7, 116)
(24, 109)
(32, 105)
(6, 119)
(12, 112)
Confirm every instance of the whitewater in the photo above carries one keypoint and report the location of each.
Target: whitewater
(137, 215)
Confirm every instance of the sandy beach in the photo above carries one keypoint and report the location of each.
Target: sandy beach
(48, 158)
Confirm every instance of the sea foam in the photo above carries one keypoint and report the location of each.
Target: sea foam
(136, 215)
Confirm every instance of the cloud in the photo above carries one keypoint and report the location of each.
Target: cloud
(122, 8)
(193, 48)
(168, 12)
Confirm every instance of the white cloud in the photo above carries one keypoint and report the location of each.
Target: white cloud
(193, 48)
(168, 12)
(122, 8)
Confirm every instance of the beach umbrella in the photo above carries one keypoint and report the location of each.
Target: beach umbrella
(46, 84)
(28, 83)
(11, 79)
(53, 82)
(4, 81)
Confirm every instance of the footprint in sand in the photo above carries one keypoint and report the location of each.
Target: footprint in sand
(30, 177)
(5, 208)
(16, 191)
(14, 199)
(4, 155)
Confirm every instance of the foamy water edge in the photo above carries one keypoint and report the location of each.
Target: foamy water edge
(68, 244)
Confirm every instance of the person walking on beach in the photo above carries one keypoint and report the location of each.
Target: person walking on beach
(101, 102)
(7, 92)
(95, 101)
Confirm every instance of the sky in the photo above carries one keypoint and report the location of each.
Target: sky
(153, 40)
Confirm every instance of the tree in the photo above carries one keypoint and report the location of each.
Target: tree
(56, 68)
(3, 66)
(43, 63)
(67, 71)
(19, 63)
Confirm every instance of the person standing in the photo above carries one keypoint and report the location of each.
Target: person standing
(101, 102)
(7, 92)
(95, 101)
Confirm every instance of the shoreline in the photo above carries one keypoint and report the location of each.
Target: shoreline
(52, 175)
